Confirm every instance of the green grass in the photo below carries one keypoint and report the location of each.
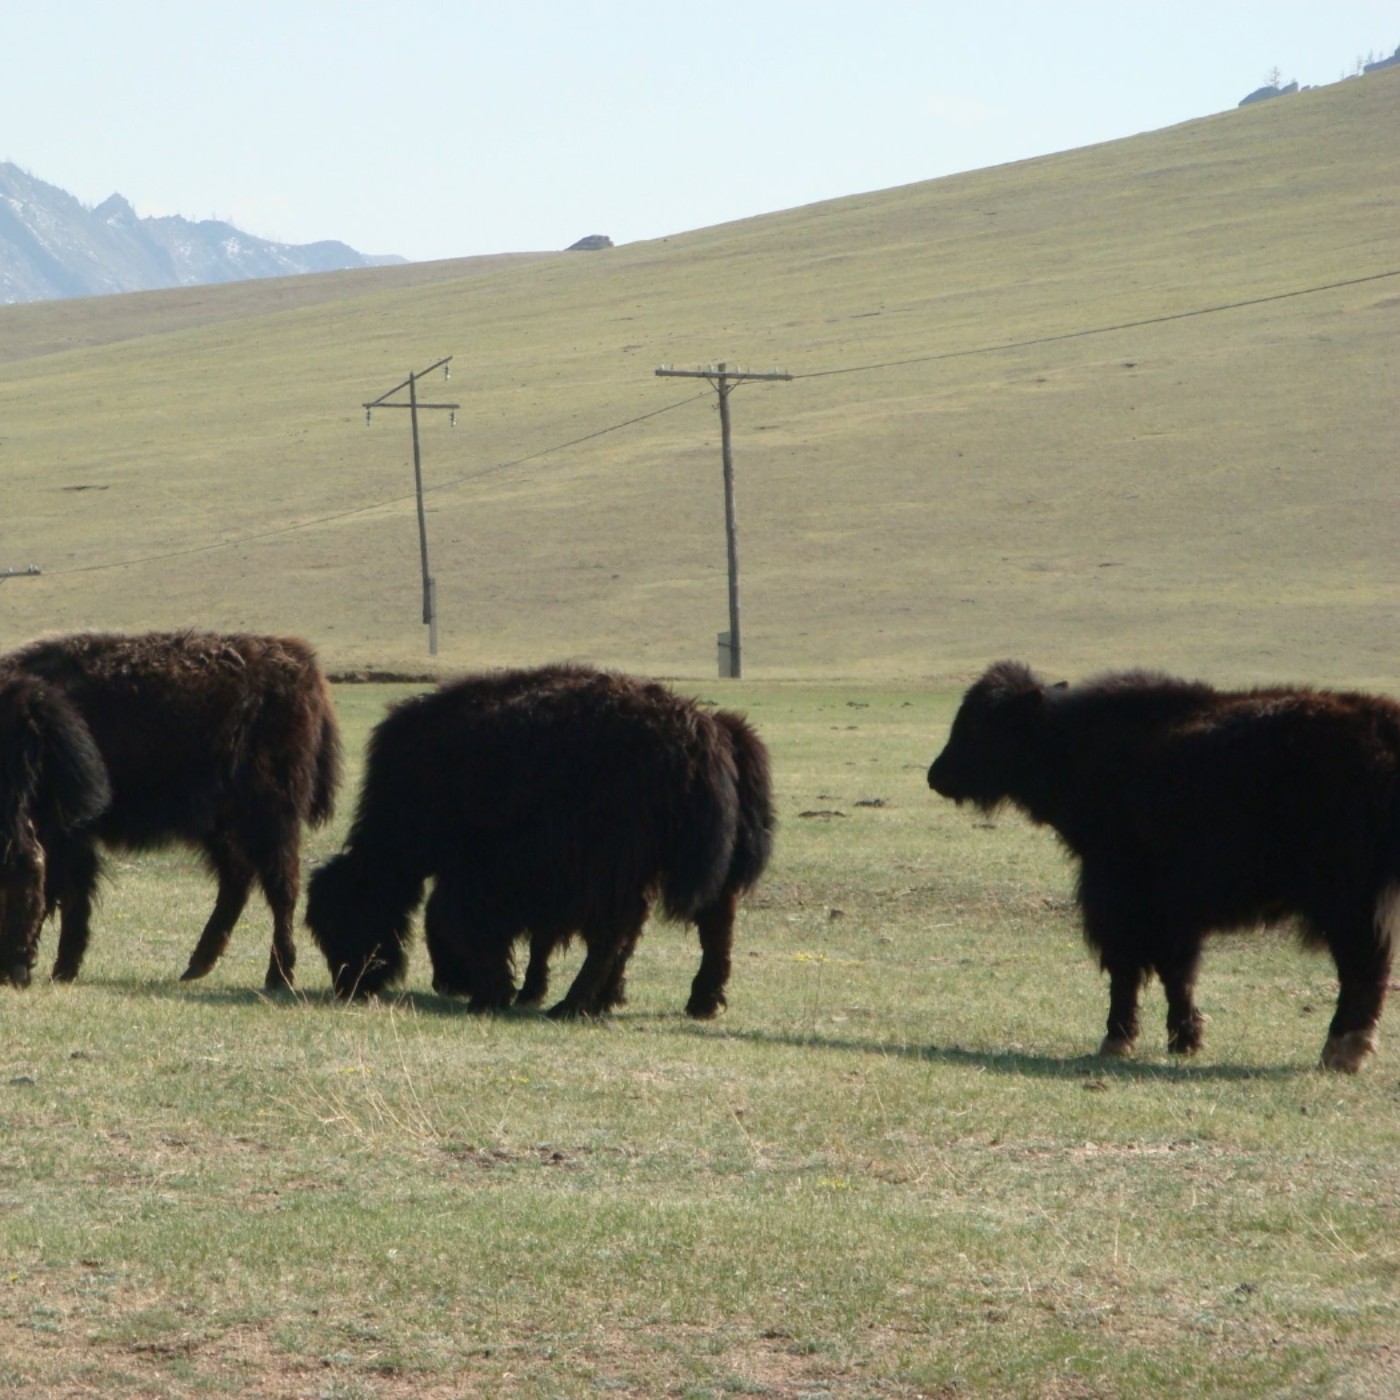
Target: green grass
(893, 1168)
(1210, 494)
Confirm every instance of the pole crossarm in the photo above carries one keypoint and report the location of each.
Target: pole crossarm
(32, 571)
(721, 373)
(398, 388)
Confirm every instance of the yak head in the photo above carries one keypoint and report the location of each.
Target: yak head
(991, 744)
(358, 911)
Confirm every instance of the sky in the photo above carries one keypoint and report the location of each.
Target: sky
(451, 128)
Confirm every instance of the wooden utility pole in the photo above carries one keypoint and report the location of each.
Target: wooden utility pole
(411, 384)
(724, 379)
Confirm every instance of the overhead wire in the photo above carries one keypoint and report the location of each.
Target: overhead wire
(1099, 330)
(370, 506)
(466, 477)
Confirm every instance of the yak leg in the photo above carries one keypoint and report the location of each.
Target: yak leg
(1363, 968)
(536, 984)
(71, 881)
(487, 963)
(235, 876)
(279, 874)
(444, 933)
(600, 983)
(21, 914)
(614, 991)
(1125, 981)
(469, 943)
(715, 925)
(1185, 1024)
(1106, 899)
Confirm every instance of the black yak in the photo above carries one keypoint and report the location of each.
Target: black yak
(52, 783)
(228, 743)
(1192, 810)
(545, 803)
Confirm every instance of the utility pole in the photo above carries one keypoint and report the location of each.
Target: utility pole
(411, 384)
(731, 645)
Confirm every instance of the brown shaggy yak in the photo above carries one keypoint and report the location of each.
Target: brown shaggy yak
(1192, 810)
(545, 803)
(227, 743)
(52, 783)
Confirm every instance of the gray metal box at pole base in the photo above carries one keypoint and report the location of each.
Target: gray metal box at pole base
(726, 655)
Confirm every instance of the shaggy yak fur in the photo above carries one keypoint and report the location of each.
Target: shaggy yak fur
(226, 743)
(1193, 810)
(545, 803)
(52, 782)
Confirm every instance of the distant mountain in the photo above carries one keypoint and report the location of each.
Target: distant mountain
(52, 246)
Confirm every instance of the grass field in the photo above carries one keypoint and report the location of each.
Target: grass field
(1209, 493)
(893, 1168)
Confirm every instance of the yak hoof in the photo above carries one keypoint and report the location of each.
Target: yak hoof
(705, 1008)
(1116, 1046)
(63, 973)
(191, 974)
(275, 981)
(1347, 1053)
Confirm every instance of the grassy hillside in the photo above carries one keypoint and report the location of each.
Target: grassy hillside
(1208, 493)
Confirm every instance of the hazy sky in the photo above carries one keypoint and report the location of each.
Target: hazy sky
(454, 127)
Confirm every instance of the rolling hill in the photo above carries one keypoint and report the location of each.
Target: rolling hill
(1128, 405)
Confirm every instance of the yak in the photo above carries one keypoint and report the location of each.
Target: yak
(545, 803)
(1192, 810)
(226, 742)
(52, 784)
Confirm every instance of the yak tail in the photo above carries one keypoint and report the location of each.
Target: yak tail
(50, 768)
(753, 842)
(704, 822)
(327, 778)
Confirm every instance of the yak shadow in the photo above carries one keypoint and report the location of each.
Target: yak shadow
(1010, 1063)
(419, 1003)
(1019, 1063)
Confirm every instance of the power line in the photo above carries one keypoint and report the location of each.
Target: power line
(384, 504)
(1098, 330)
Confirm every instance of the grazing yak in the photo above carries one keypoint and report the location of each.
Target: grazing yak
(52, 783)
(1192, 810)
(545, 803)
(228, 743)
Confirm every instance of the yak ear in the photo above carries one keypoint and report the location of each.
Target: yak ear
(1060, 685)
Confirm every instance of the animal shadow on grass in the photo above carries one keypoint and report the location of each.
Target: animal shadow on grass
(1019, 1063)
(418, 1003)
